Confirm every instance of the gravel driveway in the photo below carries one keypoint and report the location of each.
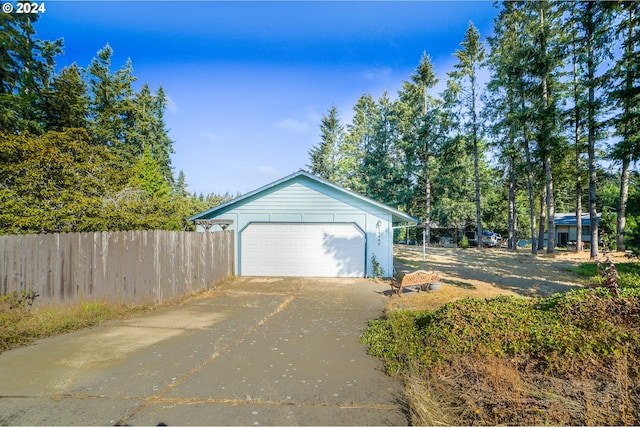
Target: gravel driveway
(255, 351)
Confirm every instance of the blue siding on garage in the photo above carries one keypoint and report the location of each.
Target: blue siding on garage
(304, 198)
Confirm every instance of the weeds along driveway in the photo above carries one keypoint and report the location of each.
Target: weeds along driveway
(255, 351)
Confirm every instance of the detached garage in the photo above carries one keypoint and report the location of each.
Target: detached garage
(304, 226)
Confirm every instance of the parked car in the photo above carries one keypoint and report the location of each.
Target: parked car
(491, 239)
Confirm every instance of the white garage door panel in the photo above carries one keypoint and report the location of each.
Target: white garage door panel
(312, 250)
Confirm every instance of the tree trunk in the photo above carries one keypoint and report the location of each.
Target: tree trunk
(626, 159)
(578, 207)
(427, 179)
(532, 201)
(591, 123)
(512, 239)
(578, 148)
(543, 217)
(551, 227)
(476, 165)
(622, 204)
(427, 191)
(545, 143)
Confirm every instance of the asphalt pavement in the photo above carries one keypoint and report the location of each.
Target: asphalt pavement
(256, 351)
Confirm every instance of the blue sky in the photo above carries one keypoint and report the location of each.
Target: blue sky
(249, 82)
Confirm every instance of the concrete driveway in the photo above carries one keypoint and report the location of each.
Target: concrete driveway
(257, 351)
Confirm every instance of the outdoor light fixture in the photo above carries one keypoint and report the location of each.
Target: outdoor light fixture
(208, 223)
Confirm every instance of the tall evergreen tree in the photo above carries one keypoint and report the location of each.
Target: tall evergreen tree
(624, 94)
(359, 137)
(111, 107)
(453, 185)
(323, 157)
(380, 161)
(419, 133)
(595, 23)
(26, 67)
(510, 59)
(576, 118)
(543, 28)
(65, 103)
(162, 145)
(470, 59)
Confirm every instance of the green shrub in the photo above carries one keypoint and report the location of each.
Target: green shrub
(395, 339)
(629, 273)
(560, 332)
(376, 267)
(464, 243)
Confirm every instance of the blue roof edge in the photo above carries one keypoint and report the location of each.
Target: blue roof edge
(394, 212)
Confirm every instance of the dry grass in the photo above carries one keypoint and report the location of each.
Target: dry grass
(492, 391)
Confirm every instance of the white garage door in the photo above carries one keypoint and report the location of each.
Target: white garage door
(299, 249)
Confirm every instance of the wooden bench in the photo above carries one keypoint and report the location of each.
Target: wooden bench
(420, 278)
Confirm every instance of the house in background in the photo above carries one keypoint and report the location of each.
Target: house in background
(567, 228)
(302, 225)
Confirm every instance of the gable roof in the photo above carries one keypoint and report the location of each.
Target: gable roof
(396, 215)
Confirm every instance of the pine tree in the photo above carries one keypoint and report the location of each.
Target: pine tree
(503, 110)
(147, 176)
(162, 144)
(26, 67)
(65, 103)
(111, 109)
(359, 135)
(380, 162)
(419, 133)
(470, 59)
(180, 185)
(624, 94)
(323, 156)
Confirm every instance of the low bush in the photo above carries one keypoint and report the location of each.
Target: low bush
(560, 332)
(629, 274)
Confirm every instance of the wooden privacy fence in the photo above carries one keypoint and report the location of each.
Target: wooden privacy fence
(124, 266)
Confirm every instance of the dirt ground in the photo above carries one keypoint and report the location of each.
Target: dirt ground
(486, 273)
